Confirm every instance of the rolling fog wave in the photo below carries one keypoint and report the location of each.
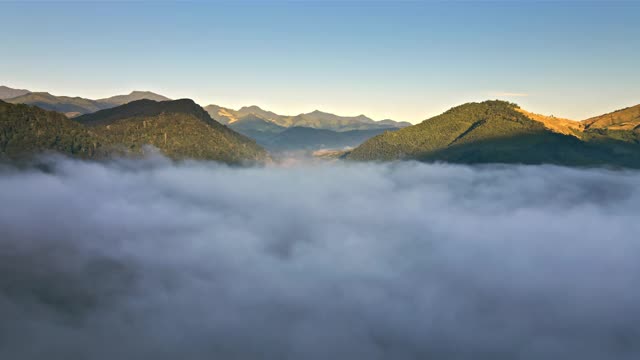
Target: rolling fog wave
(153, 260)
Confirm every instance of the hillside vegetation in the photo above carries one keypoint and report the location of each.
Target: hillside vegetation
(498, 132)
(26, 130)
(179, 129)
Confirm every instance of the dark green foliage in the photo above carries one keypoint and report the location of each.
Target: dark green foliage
(494, 132)
(179, 129)
(25, 130)
(607, 135)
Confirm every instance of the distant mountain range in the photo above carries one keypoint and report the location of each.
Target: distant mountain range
(501, 132)
(279, 138)
(312, 131)
(179, 129)
(316, 119)
(72, 106)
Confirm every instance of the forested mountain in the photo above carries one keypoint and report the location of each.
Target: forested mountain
(179, 129)
(500, 132)
(27, 130)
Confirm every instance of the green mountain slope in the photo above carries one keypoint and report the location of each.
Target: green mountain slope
(26, 130)
(494, 132)
(8, 93)
(179, 129)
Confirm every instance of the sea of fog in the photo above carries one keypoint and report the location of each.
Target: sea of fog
(148, 259)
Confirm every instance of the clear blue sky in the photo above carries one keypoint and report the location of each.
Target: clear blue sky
(399, 60)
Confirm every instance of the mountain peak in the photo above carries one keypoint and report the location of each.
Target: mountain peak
(146, 108)
(8, 93)
(134, 95)
(251, 108)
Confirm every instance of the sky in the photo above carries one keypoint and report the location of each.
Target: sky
(401, 60)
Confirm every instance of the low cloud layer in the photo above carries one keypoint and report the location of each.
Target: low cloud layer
(152, 260)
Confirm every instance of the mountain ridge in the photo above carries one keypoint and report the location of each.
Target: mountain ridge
(316, 119)
(500, 132)
(8, 93)
(74, 105)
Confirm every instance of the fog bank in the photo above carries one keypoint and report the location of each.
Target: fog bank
(152, 260)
